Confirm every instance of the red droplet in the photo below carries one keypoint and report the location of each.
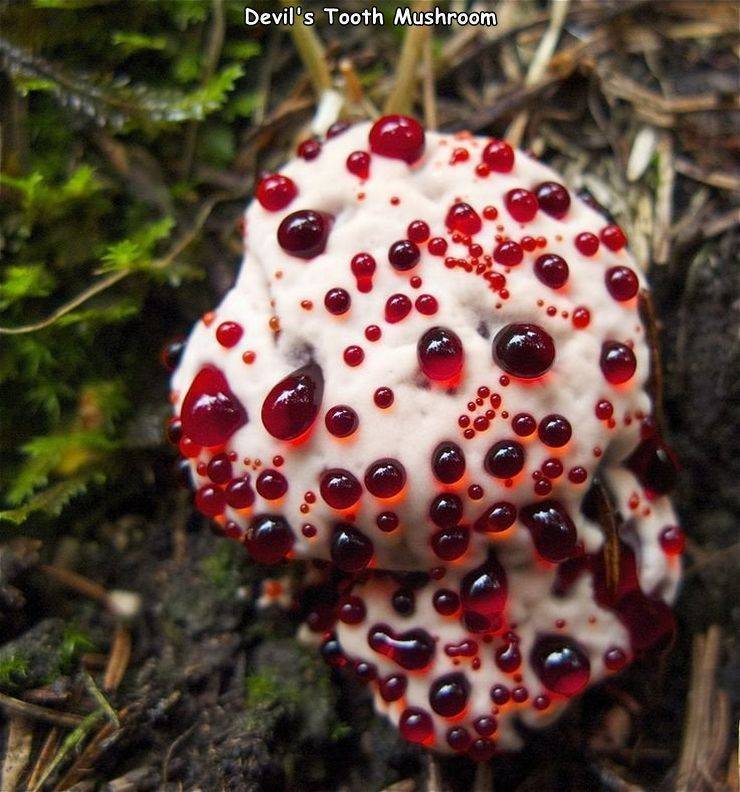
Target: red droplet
(387, 521)
(271, 484)
(239, 493)
(552, 270)
(337, 128)
(561, 664)
(363, 268)
(412, 650)
(604, 409)
(672, 540)
(448, 462)
(358, 164)
(275, 191)
(448, 694)
(383, 398)
(304, 233)
(437, 246)
(269, 539)
(446, 602)
(615, 659)
(451, 543)
(655, 466)
(397, 137)
(521, 204)
(577, 474)
(613, 237)
(350, 549)
(309, 149)
(426, 304)
(587, 243)
(499, 156)
(341, 420)
(385, 478)
(337, 301)
(523, 424)
(171, 353)
(353, 355)
(211, 413)
(210, 500)
(523, 350)
(440, 354)
(393, 687)
(504, 459)
(291, 407)
(508, 253)
(508, 657)
(483, 594)
(496, 518)
(618, 362)
(339, 488)
(581, 317)
(458, 739)
(397, 307)
(219, 469)
(553, 532)
(554, 431)
(403, 255)
(415, 725)
(553, 199)
(621, 283)
(418, 231)
(463, 218)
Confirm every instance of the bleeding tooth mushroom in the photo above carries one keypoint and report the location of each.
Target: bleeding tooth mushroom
(418, 380)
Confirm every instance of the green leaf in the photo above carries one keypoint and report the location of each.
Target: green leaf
(52, 501)
(242, 50)
(23, 281)
(136, 252)
(136, 42)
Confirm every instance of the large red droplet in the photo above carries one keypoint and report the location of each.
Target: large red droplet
(269, 539)
(499, 156)
(291, 407)
(463, 218)
(448, 462)
(450, 543)
(621, 283)
(522, 204)
(275, 191)
(304, 233)
(553, 199)
(448, 694)
(211, 413)
(524, 350)
(552, 270)
(397, 137)
(412, 650)
(415, 725)
(561, 664)
(385, 478)
(340, 489)
(504, 459)
(440, 353)
(496, 518)
(553, 532)
(350, 549)
(483, 594)
(618, 362)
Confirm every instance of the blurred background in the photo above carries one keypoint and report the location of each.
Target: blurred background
(139, 651)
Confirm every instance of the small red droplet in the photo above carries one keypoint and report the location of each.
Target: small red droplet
(587, 243)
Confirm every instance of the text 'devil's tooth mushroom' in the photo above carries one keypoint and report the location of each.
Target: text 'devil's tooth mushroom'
(425, 364)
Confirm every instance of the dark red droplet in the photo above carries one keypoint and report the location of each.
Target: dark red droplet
(392, 687)
(458, 738)
(496, 518)
(209, 500)
(397, 137)
(304, 233)
(504, 459)
(621, 283)
(613, 237)
(448, 462)
(554, 431)
(228, 334)
(440, 354)
(337, 301)
(500, 694)
(587, 244)
(341, 420)
(561, 664)
(437, 246)
(271, 484)
(363, 267)
(499, 156)
(448, 694)
(275, 191)
(309, 149)
(412, 650)
(387, 521)
(508, 657)
(618, 362)
(552, 270)
(553, 199)
(404, 255)
(269, 539)
(171, 353)
(615, 659)
(508, 253)
(553, 532)
(358, 164)
(351, 610)
(383, 398)
(481, 750)
(523, 424)
(463, 218)
(239, 493)
(418, 231)
(404, 601)
(483, 593)
(446, 601)
(350, 549)
(655, 466)
(523, 350)
(521, 204)
(353, 355)
(211, 413)
(451, 543)
(397, 307)
(339, 488)
(385, 478)
(604, 409)
(415, 725)
(337, 128)
(426, 304)
(291, 407)
(219, 469)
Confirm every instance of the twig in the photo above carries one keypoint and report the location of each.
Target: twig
(540, 61)
(70, 742)
(483, 781)
(608, 523)
(48, 749)
(429, 93)
(118, 661)
(17, 752)
(36, 712)
(649, 317)
(724, 181)
(664, 200)
(176, 743)
(312, 54)
(103, 702)
(401, 98)
(114, 277)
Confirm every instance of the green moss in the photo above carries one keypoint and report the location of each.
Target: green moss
(13, 669)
